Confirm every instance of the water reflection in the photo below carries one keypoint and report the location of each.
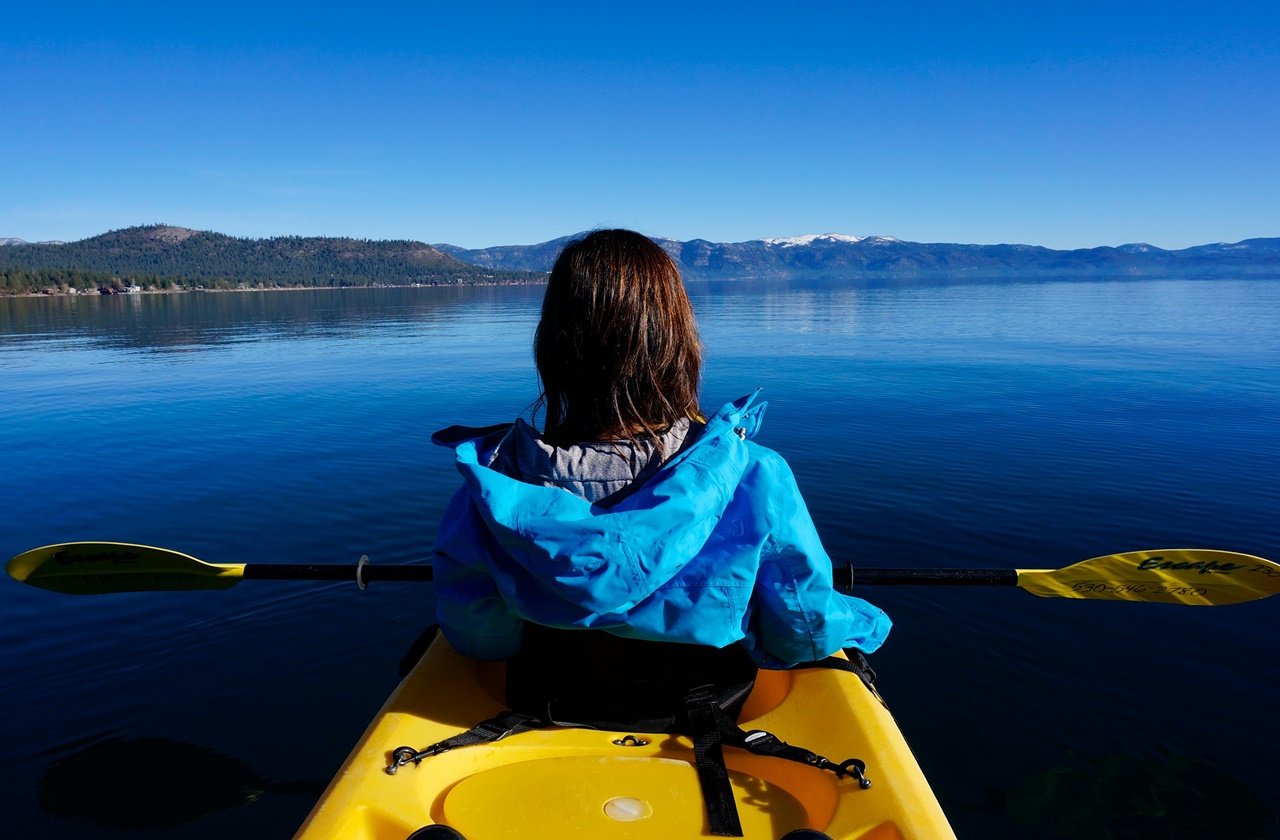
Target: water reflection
(1110, 322)
(175, 322)
(1125, 797)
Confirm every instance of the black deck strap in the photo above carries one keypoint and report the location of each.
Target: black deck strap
(705, 724)
(855, 664)
(759, 742)
(486, 731)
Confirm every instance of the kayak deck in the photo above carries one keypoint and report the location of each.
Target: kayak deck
(577, 783)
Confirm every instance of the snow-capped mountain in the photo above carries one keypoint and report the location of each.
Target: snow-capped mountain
(12, 240)
(824, 238)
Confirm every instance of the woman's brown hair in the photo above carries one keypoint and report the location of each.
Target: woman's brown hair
(617, 347)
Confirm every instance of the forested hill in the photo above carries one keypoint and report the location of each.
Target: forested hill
(164, 257)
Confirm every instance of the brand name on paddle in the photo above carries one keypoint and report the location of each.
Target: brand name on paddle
(106, 557)
(1204, 567)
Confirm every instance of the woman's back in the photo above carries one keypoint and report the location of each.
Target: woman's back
(630, 512)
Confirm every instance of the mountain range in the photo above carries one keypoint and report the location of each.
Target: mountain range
(838, 256)
(165, 256)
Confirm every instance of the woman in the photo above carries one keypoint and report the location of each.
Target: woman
(631, 512)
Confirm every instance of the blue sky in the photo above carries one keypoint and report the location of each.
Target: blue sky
(1068, 125)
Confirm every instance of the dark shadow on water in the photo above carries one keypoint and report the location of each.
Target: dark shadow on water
(151, 783)
(1125, 797)
(417, 648)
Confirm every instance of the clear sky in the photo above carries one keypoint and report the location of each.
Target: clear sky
(1063, 124)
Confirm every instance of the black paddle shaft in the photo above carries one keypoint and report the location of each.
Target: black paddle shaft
(845, 576)
(368, 572)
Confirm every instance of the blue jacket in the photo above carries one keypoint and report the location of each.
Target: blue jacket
(716, 547)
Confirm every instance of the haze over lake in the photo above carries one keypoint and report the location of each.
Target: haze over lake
(1003, 424)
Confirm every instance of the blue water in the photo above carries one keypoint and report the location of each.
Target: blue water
(1015, 424)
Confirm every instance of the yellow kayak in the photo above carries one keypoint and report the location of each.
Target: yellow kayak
(582, 784)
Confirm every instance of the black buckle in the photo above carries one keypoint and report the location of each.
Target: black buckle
(699, 697)
(493, 729)
(761, 740)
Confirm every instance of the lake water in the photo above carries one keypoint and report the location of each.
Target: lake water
(1015, 424)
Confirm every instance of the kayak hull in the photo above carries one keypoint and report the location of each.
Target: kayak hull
(567, 783)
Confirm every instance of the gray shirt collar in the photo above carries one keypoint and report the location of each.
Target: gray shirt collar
(598, 471)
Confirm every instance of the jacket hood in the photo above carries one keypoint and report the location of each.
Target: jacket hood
(605, 559)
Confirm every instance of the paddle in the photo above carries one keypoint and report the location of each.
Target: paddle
(1174, 576)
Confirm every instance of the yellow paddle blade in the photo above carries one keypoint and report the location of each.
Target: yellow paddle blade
(1193, 576)
(90, 568)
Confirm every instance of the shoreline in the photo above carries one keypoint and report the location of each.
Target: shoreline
(94, 293)
(851, 281)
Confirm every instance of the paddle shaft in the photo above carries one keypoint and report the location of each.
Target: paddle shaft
(845, 576)
(336, 571)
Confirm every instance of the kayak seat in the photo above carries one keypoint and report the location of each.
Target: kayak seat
(603, 681)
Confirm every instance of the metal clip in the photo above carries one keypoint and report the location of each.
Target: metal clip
(405, 755)
(401, 756)
(630, 741)
(856, 768)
